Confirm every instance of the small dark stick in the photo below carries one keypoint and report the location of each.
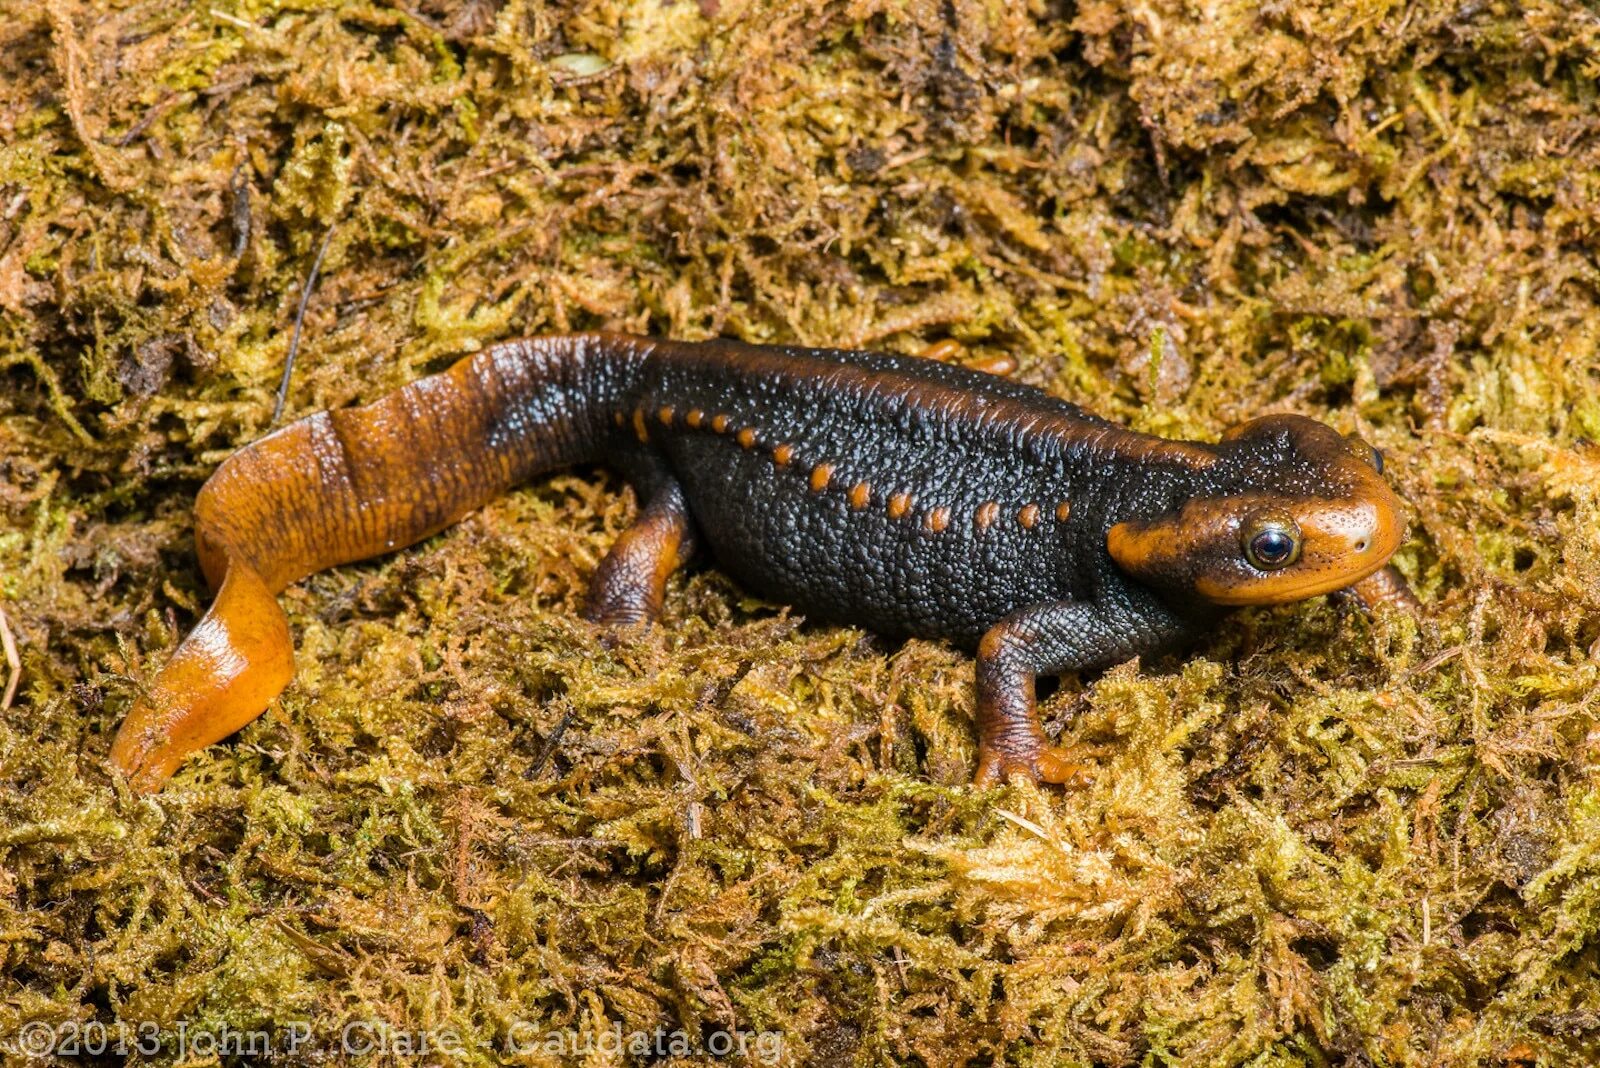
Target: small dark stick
(549, 747)
(239, 186)
(13, 663)
(299, 321)
(168, 100)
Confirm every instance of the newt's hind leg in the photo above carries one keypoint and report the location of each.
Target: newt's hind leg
(632, 579)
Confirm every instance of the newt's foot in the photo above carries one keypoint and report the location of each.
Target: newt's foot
(1035, 763)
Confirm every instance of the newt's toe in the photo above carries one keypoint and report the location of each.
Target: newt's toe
(1064, 765)
(1035, 764)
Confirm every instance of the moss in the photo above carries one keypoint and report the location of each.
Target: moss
(1319, 839)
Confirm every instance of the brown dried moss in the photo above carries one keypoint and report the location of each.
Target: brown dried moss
(1320, 840)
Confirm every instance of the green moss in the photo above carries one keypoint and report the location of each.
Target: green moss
(1317, 839)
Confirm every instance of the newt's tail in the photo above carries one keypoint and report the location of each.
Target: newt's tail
(346, 485)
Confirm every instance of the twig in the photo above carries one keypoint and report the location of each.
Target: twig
(239, 187)
(549, 747)
(168, 101)
(299, 321)
(52, 385)
(13, 664)
(235, 19)
(69, 61)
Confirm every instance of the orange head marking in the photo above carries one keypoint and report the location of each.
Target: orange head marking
(1291, 509)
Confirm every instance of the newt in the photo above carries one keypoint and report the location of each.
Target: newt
(908, 496)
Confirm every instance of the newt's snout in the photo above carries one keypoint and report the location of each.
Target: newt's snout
(1298, 511)
(1363, 534)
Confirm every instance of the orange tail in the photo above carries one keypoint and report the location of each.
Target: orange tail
(224, 675)
(347, 485)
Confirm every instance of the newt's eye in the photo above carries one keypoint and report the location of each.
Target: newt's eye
(1366, 452)
(1271, 543)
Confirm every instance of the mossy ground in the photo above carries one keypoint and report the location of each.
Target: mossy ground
(1320, 840)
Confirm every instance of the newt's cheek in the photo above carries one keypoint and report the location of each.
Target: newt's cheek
(1175, 552)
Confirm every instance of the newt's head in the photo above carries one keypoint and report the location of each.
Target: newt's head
(1289, 508)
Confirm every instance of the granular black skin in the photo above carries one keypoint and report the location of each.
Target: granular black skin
(946, 436)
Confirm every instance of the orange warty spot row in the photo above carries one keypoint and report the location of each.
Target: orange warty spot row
(987, 513)
(639, 428)
(695, 418)
(899, 504)
(618, 418)
(1063, 511)
(746, 437)
(720, 424)
(938, 519)
(783, 454)
(665, 415)
(860, 495)
(1028, 516)
(820, 477)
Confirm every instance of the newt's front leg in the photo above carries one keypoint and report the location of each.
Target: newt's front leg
(1385, 589)
(1044, 639)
